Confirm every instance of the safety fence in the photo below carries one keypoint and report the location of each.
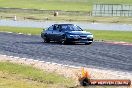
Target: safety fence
(112, 10)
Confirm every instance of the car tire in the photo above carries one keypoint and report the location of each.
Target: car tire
(88, 43)
(46, 40)
(64, 42)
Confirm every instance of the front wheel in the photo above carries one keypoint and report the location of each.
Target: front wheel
(63, 41)
(46, 40)
(88, 43)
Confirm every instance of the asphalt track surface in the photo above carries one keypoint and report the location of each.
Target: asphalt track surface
(99, 54)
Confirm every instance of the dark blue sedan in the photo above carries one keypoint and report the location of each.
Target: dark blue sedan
(66, 33)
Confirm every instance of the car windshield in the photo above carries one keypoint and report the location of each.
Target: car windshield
(70, 27)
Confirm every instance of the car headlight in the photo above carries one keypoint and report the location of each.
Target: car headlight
(75, 36)
(91, 36)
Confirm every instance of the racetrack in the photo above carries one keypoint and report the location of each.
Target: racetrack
(99, 54)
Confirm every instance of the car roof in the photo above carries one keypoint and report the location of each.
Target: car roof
(63, 24)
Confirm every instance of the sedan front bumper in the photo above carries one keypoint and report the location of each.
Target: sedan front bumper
(80, 40)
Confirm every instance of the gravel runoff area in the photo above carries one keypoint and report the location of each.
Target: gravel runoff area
(99, 58)
(66, 70)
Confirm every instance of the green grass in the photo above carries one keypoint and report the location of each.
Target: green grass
(98, 34)
(24, 30)
(72, 5)
(22, 76)
(46, 4)
(67, 5)
(112, 35)
(66, 17)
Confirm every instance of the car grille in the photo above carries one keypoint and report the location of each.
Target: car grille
(83, 36)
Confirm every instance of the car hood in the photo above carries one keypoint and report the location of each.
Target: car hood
(79, 32)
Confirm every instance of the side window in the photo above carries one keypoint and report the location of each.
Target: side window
(57, 27)
(50, 28)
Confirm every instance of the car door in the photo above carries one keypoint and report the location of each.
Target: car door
(57, 33)
(49, 33)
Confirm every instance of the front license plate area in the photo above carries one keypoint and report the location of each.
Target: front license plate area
(84, 38)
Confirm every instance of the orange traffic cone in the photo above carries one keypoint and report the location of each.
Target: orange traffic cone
(85, 73)
(85, 79)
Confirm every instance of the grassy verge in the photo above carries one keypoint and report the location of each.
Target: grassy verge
(47, 4)
(66, 17)
(98, 34)
(24, 30)
(22, 76)
(70, 5)
(66, 5)
(112, 35)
